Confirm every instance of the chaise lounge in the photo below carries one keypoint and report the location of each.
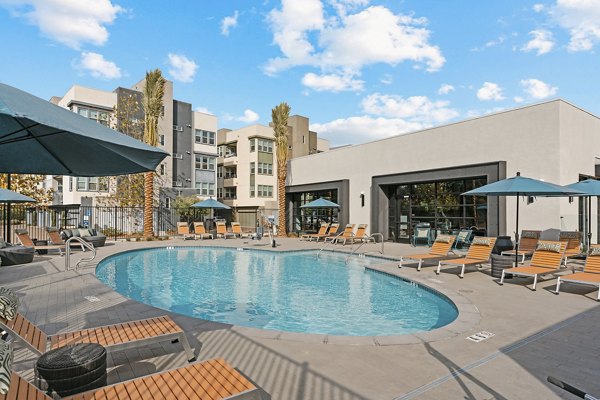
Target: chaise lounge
(590, 274)
(479, 253)
(440, 249)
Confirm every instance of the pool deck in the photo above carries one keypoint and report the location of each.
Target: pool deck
(536, 334)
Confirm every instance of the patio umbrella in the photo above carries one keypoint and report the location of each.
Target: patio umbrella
(212, 204)
(522, 186)
(590, 188)
(38, 137)
(321, 203)
(7, 197)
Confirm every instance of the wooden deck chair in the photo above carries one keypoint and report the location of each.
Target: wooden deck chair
(183, 229)
(236, 229)
(56, 239)
(212, 379)
(322, 231)
(479, 253)
(590, 274)
(547, 259)
(117, 337)
(573, 240)
(440, 249)
(222, 230)
(333, 228)
(200, 231)
(26, 241)
(527, 244)
(359, 236)
(348, 232)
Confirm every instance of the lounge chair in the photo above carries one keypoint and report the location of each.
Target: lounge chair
(200, 231)
(479, 253)
(183, 229)
(590, 274)
(440, 249)
(117, 337)
(348, 232)
(333, 228)
(573, 240)
(236, 229)
(26, 241)
(421, 234)
(222, 230)
(56, 239)
(547, 259)
(359, 236)
(322, 231)
(212, 379)
(527, 244)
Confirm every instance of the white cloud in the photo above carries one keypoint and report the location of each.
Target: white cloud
(203, 110)
(490, 91)
(538, 7)
(98, 67)
(229, 22)
(331, 83)
(491, 43)
(387, 79)
(581, 18)
(416, 108)
(182, 68)
(518, 99)
(343, 43)
(71, 22)
(248, 117)
(445, 89)
(542, 42)
(538, 89)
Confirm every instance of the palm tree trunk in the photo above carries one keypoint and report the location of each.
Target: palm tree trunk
(148, 204)
(281, 175)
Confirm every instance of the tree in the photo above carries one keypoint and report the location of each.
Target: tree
(152, 102)
(183, 206)
(280, 115)
(29, 185)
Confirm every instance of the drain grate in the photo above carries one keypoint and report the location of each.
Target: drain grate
(92, 298)
(480, 336)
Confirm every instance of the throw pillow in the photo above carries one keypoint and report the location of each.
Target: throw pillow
(3, 244)
(569, 235)
(595, 250)
(75, 232)
(530, 235)
(482, 241)
(548, 246)
(443, 238)
(84, 232)
(9, 303)
(6, 356)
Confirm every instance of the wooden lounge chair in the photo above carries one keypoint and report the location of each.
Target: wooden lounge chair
(183, 229)
(333, 228)
(546, 259)
(359, 236)
(322, 231)
(348, 232)
(440, 249)
(479, 253)
(212, 379)
(590, 274)
(200, 231)
(117, 337)
(573, 240)
(26, 241)
(527, 244)
(222, 230)
(236, 229)
(56, 239)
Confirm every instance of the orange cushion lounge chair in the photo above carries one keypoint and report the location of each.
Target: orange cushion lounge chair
(573, 240)
(25, 240)
(322, 232)
(546, 259)
(590, 274)
(222, 230)
(440, 249)
(479, 253)
(527, 244)
(183, 229)
(236, 229)
(200, 231)
(333, 228)
(117, 337)
(348, 232)
(359, 236)
(212, 379)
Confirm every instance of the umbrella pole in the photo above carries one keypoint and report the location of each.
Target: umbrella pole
(7, 236)
(517, 235)
(589, 232)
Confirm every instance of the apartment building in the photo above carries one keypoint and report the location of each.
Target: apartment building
(188, 136)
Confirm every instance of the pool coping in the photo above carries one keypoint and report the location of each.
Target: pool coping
(468, 314)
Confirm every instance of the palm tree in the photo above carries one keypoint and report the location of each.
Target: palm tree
(280, 115)
(152, 102)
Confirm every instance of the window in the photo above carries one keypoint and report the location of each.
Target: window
(219, 172)
(92, 184)
(161, 140)
(303, 139)
(221, 151)
(162, 169)
(205, 137)
(205, 163)
(265, 191)
(167, 202)
(252, 167)
(252, 194)
(230, 173)
(252, 145)
(70, 184)
(265, 146)
(101, 117)
(230, 193)
(265, 168)
(206, 188)
(220, 193)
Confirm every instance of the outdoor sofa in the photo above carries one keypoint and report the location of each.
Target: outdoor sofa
(93, 236)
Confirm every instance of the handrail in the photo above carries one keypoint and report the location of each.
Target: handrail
(85, 244)
(372, 236)
(334, 240)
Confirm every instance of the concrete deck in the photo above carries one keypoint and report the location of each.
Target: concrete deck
(536, 334)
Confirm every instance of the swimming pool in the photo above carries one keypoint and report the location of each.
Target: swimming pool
(286, 291)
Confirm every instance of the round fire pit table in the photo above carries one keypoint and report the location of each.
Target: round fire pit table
(72, 369)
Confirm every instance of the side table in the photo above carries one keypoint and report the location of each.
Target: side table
(72, 369)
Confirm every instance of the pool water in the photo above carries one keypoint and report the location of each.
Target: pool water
(287, 291)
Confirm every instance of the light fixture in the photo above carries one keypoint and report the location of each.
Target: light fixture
(362, 199)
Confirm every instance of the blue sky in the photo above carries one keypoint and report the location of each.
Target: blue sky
(360, 70)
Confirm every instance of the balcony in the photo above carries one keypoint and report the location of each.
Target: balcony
(230, 182)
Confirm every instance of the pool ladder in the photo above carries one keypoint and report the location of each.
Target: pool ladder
(372, 236)
(84, 245)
